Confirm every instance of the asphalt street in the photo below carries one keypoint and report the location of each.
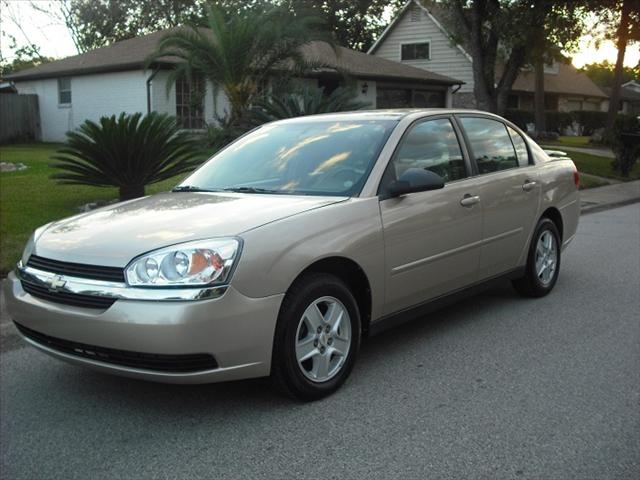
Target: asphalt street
(494, 387)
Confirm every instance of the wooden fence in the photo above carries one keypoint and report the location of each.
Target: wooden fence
(19, 118)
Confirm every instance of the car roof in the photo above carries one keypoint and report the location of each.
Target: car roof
(384, 114)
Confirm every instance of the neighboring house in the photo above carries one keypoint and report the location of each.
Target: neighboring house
(113, 79)
(629, 98)
(419, 37)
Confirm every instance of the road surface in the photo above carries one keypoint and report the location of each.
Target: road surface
(494, 387)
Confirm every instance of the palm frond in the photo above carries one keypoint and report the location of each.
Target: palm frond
(127, 151)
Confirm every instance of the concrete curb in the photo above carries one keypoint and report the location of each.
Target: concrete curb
(587, 209)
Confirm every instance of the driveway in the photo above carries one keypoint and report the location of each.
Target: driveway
(494, 387)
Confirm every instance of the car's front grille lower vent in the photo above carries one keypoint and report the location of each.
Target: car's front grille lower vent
(66, 298)
(146, 361)
(94, 272)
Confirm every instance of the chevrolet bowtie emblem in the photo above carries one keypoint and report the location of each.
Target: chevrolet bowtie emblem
(56, 282)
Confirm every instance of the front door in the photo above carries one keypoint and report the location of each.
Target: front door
(432, 240)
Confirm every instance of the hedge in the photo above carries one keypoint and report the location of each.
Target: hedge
(558, 121)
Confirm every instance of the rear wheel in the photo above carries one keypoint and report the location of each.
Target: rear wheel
(317, 337)
(543, 261)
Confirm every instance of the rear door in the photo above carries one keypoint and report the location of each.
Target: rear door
(509, 191)
(432, 240)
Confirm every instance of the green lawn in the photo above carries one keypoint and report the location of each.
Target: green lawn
(600, 166)
(30, 198)
(572, 141)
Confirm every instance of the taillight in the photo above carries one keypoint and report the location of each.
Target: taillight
(576, 178)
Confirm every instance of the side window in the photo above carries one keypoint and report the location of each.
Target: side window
(64, 91)
(521, 147)
(432, 145)
(490, 143)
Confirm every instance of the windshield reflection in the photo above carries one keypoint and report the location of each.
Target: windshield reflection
(314, 157)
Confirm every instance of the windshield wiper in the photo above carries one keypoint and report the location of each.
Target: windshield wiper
(251, 190)
(192, 188)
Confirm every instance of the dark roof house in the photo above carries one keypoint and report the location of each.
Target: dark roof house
(114, 79)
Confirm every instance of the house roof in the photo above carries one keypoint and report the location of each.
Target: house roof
(361, 65)
(627, 94)
(131, 55)
(567, 81)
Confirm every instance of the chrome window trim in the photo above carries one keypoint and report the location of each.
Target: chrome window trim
(115, 290)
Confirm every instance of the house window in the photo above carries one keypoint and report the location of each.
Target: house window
(391, 97)
(513, 101)
(190, 102)
(64, 91)
(415, 51)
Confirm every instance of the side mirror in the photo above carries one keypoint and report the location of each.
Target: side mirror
(415, 180)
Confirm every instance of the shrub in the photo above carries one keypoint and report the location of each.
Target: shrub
(127, 152)
(626, 143)
(305, 101)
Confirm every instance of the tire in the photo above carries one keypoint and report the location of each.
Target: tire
(296, 337)
(538, 282)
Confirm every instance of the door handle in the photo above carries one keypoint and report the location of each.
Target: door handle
(528, 185)
(469, 200)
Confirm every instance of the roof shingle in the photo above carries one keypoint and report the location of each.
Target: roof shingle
(131, 54)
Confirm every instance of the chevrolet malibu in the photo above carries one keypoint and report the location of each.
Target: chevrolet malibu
(286, 248)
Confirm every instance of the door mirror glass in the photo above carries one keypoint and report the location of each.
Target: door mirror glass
(415, 180)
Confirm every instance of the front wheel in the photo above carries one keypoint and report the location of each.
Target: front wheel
(543, 261)
(317, 337)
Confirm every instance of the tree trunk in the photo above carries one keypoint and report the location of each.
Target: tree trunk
(623, 36)
(539, 95)
(129, 192)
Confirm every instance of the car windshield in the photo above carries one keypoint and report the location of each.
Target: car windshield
(307, 157)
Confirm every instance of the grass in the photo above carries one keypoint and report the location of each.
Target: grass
(581, 142)
(591, 182)
(601, 166)
(30, 198)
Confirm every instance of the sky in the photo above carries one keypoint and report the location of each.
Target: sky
(26, 24)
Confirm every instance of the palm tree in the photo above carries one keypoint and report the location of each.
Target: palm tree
(127, 152)
(306, 101)
(238, 53)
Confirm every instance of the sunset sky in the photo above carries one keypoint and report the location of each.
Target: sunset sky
(54, 39)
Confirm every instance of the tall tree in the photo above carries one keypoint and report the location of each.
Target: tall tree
(602, 74)
(562, 28)
(627, 15)
(499, 35)
(354, 23)
(238, 53)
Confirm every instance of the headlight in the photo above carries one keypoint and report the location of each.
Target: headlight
(28, 249)
(204, 262)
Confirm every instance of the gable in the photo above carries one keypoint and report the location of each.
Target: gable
(416, 25)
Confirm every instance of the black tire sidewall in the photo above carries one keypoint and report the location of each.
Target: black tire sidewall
(296, 301)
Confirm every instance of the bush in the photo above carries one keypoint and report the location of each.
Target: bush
(589, 120)
(127, 152)
(626, 143)
(305, 101)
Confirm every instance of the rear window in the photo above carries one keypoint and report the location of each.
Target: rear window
(490, 144)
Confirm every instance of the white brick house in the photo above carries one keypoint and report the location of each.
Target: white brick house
(113, 79)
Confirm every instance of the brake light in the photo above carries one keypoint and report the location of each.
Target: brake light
(576, 178)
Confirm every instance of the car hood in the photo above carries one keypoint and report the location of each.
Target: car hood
(113, 235)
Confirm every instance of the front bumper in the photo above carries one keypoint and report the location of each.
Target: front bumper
(237, 330)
